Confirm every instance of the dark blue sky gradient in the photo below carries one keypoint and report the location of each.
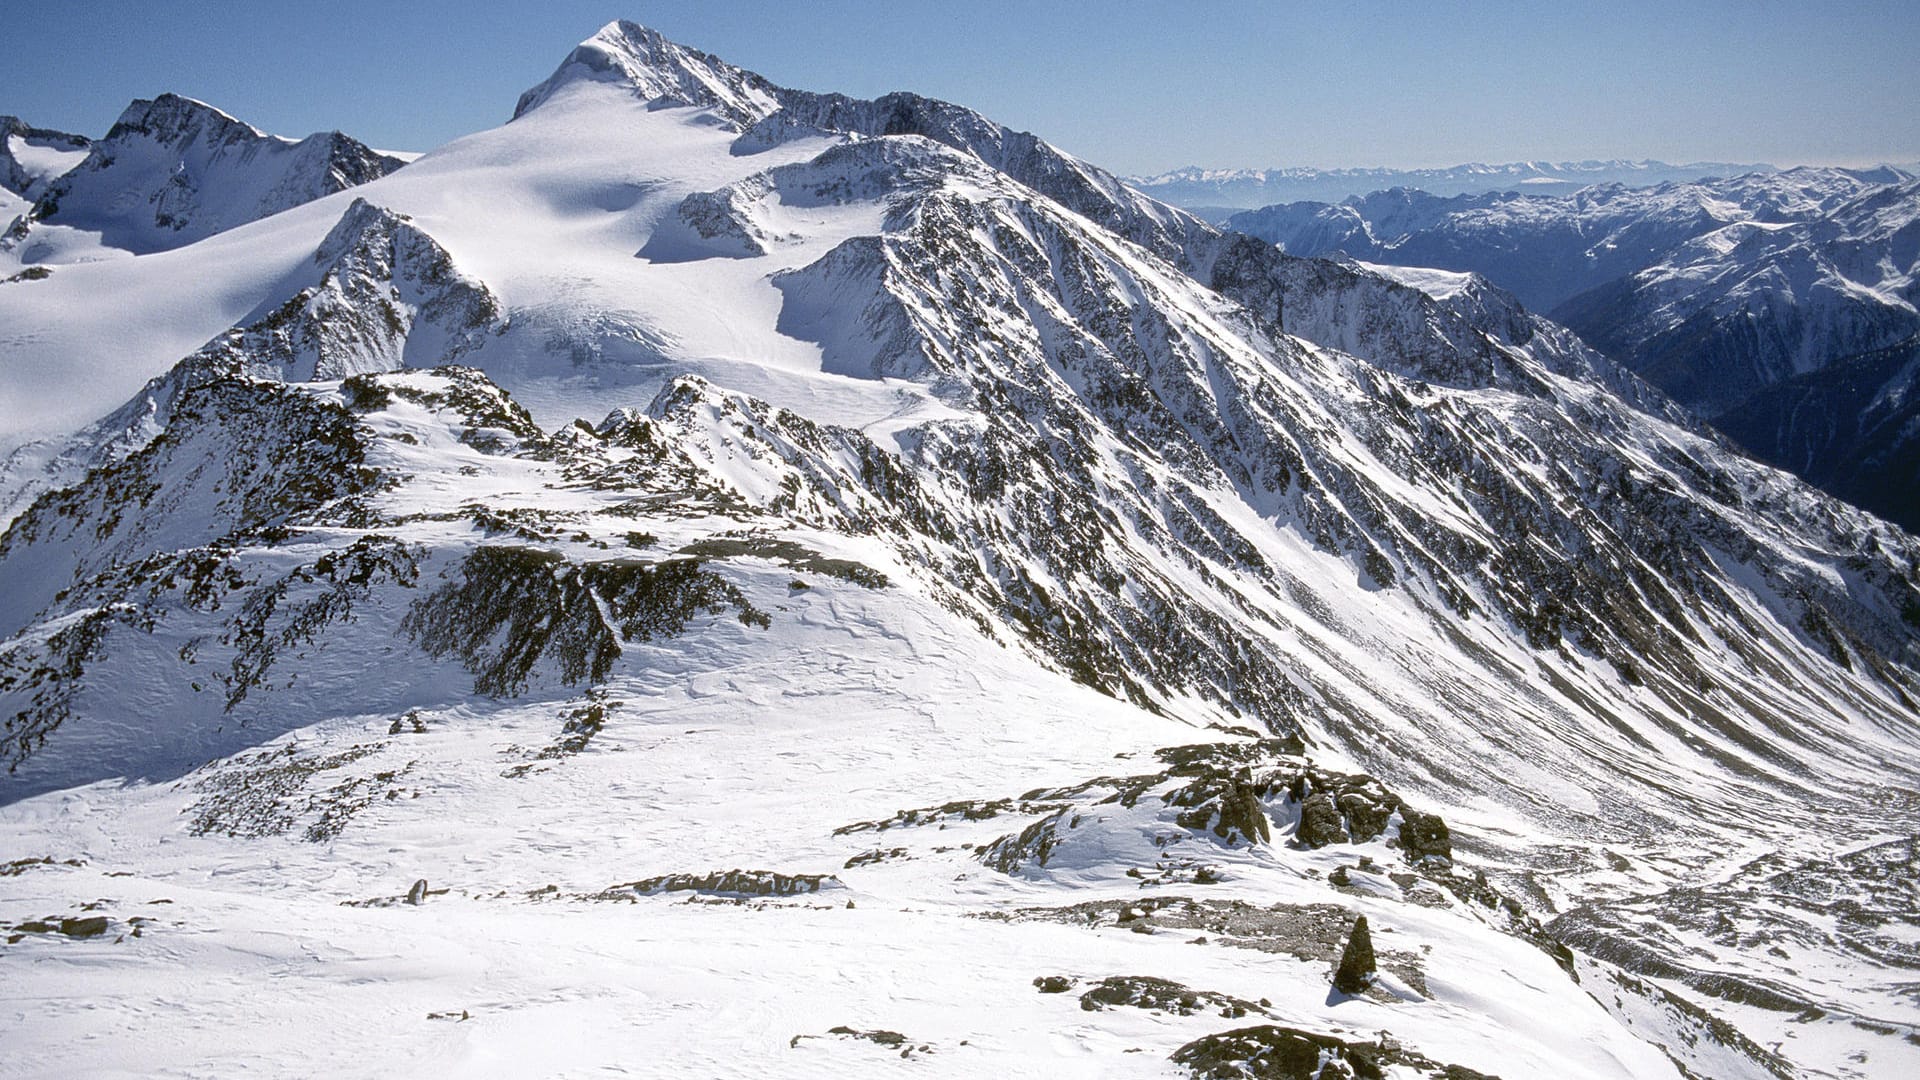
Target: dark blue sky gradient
(1138, 87)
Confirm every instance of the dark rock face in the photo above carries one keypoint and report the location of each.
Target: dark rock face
(1240, 810)
(511, 606)
(1272, 1052)
(1356, 969)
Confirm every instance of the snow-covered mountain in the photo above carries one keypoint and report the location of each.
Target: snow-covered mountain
(1761, 302)
(32, 156)
(172, 171)
(1546, 249)
(757, 581)
(1245, 189)
(29, 158)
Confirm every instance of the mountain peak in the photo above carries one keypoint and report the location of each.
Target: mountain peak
(660, 71)
(173, 170)
(172, 118)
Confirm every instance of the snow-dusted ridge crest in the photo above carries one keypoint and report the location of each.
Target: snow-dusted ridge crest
(31, 156)
(658, 70)
(983, 582)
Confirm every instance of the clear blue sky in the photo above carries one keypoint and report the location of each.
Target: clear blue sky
(1135, 86)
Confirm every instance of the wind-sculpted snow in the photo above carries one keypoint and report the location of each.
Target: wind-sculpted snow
(172, 171)
(1027, 476)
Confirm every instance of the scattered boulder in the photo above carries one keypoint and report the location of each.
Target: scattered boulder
(1424, 835)
(1163, 995)
(86, 926)
(1365, 816)
(21, 866)
(890, 1040)
(1315, 933)
(1272, 1052)
(882, 1038)
(1320, 822)
(722, 882)
(867, 858)
(1053, 984)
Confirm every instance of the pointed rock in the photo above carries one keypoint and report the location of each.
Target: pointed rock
(1356, 970)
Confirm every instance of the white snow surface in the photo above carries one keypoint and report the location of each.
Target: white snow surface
(1439, 284)
(40, 160)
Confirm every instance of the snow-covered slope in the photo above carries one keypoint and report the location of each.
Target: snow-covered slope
(172, 171)
(1753, 303)
(1721, 292)
(1249, 188)
(947, 519)
(30, 157)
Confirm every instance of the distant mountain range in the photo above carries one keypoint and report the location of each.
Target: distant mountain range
(1781, 306)
(1216, 189)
